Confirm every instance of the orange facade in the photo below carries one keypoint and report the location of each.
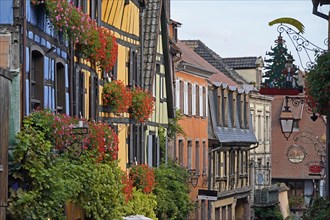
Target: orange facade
(192, 148)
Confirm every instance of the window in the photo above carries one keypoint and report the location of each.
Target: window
(189, 99)
(197, 100)
(219, 163)
(239, 110)
(205, 153)
(224, 109)
(93, 97)
(259, 128)
(37, 80)
(231, 101)
(241, 162)
(181, 96)
(232, 163)
(181, 151)
(197, 157)
(178, 94)
(153, 150)
(225, 162)
(220, 103)
(185, 98)
(267, 129)
(60, 88)
(81, 4)
(189, 155)
(201, 101)
(246, 112)
(81, 94)
(135, 152)
(162, 88)
(133, 77)
(193, 101)
(204, 102)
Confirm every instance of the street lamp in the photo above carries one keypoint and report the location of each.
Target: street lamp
(286, 120)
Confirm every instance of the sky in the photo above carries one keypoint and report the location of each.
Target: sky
(235, 28)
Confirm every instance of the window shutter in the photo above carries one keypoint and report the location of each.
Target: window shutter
(193, 99)
(177, 95)
(207, 103)
(200, 100)
(185, 98)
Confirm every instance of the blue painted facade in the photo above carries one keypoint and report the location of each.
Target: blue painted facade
(51, 53)
(6, 15)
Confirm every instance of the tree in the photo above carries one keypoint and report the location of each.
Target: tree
(172, 192)
(279, 67)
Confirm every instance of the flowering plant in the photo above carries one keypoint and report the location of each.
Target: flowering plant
(127, 187)
(142, 104)
(117, 95)
(318, 83)
(63, 134)
(97, 43)
(103, 140)
(143, 177)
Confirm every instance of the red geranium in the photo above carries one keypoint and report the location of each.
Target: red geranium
(143, 177)
(117, 95)
(142, 104)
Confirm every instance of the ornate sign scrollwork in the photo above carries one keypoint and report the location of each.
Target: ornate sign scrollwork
(296, 153)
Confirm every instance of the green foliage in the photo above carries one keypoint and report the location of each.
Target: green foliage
(268, 213)
(174, 128)
(172, 192)
(162, 143)
(296, 201)
(319, 210)
(47, 180)
(101, 195)
(140, 204)
(318, 83)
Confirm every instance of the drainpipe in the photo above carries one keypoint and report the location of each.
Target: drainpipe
(23, 89)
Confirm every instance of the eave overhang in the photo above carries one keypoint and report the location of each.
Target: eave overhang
(194, 69)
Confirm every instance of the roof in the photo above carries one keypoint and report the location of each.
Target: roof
(189, 56)
(241, 62)
(151, 32)
(228, 135)
(214, 59)
(306, 137)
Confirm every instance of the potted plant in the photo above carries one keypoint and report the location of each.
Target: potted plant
(95, 43)
(142, 104)
(117, 96)
(318, 83)
(143, 177)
